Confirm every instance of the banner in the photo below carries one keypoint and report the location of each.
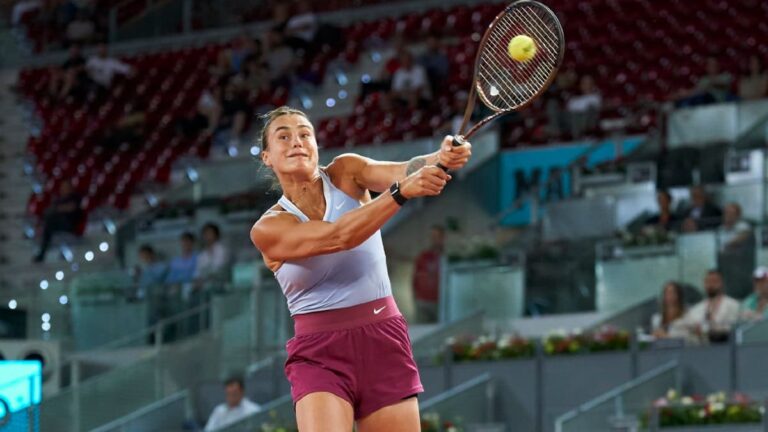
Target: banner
(520, 171)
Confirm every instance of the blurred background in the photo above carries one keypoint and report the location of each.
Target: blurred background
(598, 266)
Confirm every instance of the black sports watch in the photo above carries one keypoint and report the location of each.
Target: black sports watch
(394, 190)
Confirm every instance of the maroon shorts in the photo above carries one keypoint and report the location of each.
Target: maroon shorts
(361, 354)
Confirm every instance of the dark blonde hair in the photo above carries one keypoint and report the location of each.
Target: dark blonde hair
(269, 117)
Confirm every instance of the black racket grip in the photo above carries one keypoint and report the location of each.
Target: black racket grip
(457, 140)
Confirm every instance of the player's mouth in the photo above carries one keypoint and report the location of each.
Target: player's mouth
(293, 155)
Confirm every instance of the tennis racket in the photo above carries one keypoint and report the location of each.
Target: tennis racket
(505, 85)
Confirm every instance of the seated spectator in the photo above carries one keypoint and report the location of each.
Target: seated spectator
(383, 81)
(584, 108)
(212, 261)
(150, 273)
(81, 30)
(665, 220)
(253, 80)
(668, 323)
(734, 232)
(128, 129)
(436, 63)
(237, 406)
(71, 79)
(301, 27)
(181, 269)
(754, 83)
(410, 84)
(102, 68)
(245, 48)
(230, 118)
(208, 109)
(62, 215)
(554, 99)
(713, 87)
(702, 215)
(755, 307)
(712, 318)
(279, 58)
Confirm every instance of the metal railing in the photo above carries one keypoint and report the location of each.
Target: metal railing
(167, 414)
(471, 402)
(619, 407)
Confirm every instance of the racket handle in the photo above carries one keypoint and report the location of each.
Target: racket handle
(456, 141)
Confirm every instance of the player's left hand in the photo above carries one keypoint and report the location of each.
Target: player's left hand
(454, 157)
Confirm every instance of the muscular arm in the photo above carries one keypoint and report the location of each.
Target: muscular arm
(378, 176)
(281, 237)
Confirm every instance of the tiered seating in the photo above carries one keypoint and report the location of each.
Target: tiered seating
(619, 42)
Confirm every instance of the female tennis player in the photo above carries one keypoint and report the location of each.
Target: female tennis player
(350, 360)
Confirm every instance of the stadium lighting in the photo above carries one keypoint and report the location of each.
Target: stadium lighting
(255, 150)
(343, 94)
(103, 246)
(44, 284)
(365, 78)
(46, 326)
(46, 317)
(12, 304)
(330, 102)
(59, 275)
(89, 256)
(63, 300)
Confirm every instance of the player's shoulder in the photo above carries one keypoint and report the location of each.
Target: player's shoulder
(275, 215)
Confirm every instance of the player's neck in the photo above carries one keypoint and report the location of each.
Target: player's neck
(299, 188)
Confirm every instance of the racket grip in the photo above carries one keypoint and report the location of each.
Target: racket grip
(457, 140)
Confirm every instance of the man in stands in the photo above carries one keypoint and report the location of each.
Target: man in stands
(426, 277)
(410, 84)
(102, 68)
(213, 259)
(755, 307)
(736, 256)
(712, 318)
(237, 406)
(584, 108)
(702, 215)
(62, 216)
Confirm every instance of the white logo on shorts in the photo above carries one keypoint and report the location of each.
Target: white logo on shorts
(378, 311)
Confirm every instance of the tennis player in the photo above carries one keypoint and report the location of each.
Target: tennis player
(350, 360)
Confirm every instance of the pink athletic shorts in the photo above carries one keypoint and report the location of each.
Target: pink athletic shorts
(361, 354)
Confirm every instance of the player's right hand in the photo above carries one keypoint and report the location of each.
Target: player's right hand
(427, 181)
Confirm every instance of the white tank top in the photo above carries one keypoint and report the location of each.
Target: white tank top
(335, 280)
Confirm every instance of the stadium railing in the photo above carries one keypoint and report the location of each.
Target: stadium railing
(620, 407)
(167, 414)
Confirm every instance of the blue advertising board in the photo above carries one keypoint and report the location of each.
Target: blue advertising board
(521, 170)
(20, 387)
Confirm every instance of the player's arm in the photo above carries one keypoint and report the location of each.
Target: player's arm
(377, 176)
(281, 237)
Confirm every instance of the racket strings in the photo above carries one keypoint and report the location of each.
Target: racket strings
(504, 84)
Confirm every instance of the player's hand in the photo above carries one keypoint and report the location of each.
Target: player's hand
(454, 157)
(427, 181)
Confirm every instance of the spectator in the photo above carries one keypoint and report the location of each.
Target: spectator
(712, 318)
(734, 231)
(81, 30)
(213, 259)
(436, 63)
(102, 68)
(301, 28)
(22, 7)
(254, 79)
(755, 307)
(669, 322)
(383, 82)
(230, 118)
(206, 116)
(71, 80)
(63, 215)
(181, 269)
(561, 90)
(410, 84)
(128, 129)
(736, 256)
(279, 58)
(754, 83)
(245, 48)
(150, 273)
(713, 87)
(584, 108)
(665, 220)
(426, 277)
(702, 215)
(237, 406)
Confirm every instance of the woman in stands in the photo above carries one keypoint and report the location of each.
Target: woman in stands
(351, 358)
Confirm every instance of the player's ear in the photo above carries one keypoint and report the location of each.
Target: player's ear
(265, 158)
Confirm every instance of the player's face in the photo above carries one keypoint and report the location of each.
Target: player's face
(291, 145)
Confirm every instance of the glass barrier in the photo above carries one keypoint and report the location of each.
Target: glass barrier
(274, 416)
(168, 415)
(431, 345)
(497, 289)
(621, 408)
(756, 332)
(469, 403)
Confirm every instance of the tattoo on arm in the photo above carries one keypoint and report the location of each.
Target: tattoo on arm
(415, 164)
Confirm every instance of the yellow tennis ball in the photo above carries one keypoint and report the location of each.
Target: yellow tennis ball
(522, 48)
